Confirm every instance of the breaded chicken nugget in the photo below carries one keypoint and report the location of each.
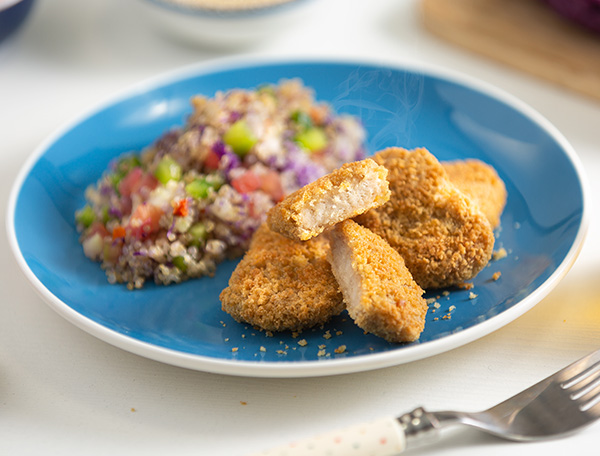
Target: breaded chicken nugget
(344, 193)
(282, 284)
(480, 182)
(442, 236)
(380, 294)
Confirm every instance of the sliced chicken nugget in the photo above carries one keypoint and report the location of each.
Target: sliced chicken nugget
(380, 294)
(442, 236)
(282, 284)
(344, 193)
(480, 182)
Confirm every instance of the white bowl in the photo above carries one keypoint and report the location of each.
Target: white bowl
(231, 23)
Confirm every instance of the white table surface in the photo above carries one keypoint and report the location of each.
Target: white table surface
(64, 392)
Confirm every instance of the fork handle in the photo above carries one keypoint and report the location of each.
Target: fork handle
(384, 437)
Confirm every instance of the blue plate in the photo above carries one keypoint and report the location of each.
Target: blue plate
(542, 227)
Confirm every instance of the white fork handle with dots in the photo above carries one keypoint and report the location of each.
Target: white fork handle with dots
(384, 437)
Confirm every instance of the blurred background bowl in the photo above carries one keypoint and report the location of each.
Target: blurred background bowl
(12, 15)
(225, 23)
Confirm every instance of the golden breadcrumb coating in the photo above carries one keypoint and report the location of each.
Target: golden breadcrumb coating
(480, 182)
(282, 284)
(344, 193)
(442, 236)
(380, 294)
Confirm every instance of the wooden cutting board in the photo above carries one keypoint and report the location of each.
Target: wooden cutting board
(526, 34)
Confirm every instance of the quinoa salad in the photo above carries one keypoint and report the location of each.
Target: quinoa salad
(194, 197)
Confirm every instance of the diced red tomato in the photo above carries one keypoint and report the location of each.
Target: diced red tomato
(135, 180)
(246, 183)
(180, 208)
(212, 161)
(270, 183)
(145, 220)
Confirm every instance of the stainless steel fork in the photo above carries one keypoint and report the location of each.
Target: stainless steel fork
(554, 407)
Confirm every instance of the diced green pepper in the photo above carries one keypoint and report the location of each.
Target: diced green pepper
(114, 179)
(199, 234)
(85, 216)
(167, 169)
(105, 215)
(200, 188)
(179, 263)
(313, 139)
(240, 138)
(302, 119)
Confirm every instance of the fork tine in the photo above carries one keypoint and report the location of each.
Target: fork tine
(579, 370)
(582, 379)
(592, 401)
(585, 385)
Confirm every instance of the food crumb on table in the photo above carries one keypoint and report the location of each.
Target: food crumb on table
(340, 349)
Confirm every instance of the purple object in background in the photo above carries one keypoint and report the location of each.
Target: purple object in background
(12, 16)
(584, 12)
